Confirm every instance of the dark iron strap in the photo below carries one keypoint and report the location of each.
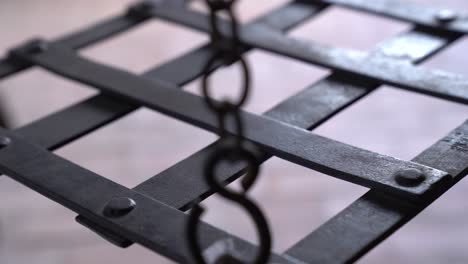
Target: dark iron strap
(150, 223)
(104, 109)
(321, 246)
(290, 143)
(380, 69)
(295, 111)
(434, 18)
(86, 116)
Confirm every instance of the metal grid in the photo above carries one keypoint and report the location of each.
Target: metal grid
(158, 221)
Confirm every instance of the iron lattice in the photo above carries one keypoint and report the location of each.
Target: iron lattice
(25, 152)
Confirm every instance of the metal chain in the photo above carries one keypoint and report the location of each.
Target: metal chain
(230, 148)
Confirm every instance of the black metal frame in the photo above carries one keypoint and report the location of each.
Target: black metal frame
(158, 221)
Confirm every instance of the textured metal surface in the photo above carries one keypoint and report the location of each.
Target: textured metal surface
(280, 132)
(89, 115)
(103, 109)
(150, 223)
(453, 20)
(381, 69)
(343, 238)
(80, 39)
(92, 34)
(328, 96)
(287, 142)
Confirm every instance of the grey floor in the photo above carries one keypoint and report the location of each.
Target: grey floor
(138, 146)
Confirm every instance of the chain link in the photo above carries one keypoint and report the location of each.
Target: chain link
(232, 149)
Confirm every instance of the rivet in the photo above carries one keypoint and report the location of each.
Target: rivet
(118, 207)
(142, 9)
(39, 46)
(146, 5)
(4, 141)
(446, 16)
(409, 177)
(35, 46)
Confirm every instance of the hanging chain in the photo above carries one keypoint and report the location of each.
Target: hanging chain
(229, 148)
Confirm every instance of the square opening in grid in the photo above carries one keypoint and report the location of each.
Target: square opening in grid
(136, 147)
(449, 59)
(294, 199)
(274, 79)
(145, 46)
(43, 232)
(346, 28)
(402, 94)
(51, 20)
(36, 93)
(395, 122)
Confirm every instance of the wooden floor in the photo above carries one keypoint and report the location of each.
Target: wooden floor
(296, 200)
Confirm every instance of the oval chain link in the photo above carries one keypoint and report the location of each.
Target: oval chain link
(231, 149)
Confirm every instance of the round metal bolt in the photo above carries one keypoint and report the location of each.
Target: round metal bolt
(146, 5)
(4, 141)
(118, 207)
(409, 177)
(142, 9)
(40, 47)
(446, 16)
(36, 46)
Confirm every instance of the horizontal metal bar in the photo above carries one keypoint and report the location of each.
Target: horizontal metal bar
(151, 223)
(375, 216)
(441, 84)
(437, 18)
(327, 97)
(191, 66)
(115, 25)
(86, 116)
(81, 39)
(92, 113)
(95, 112)
(100, 31)
(290, 143)
(307, 109)
(75, 121)
(81, 118)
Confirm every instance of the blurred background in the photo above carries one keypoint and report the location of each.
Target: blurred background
(138, 146)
